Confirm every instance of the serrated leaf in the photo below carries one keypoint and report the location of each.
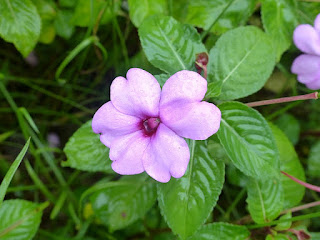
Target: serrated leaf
(248, 141)
(120, 205)
(168, 44)
(85, 151)
(265, 199)
(279, 20)
(290, 126)
(314, 160)
(141, 9)
(20, 24)
(187, 202)
(289, 163)
(220, 230)
(241, 62)
(20, 220)
(203, 13)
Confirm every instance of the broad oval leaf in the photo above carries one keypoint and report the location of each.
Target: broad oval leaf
(265, 199)
(314, 160)
(220, 230)
(289, 163)
(279, 19)
(121, 204)
(20, 24)
(248, 141)
(85, 151)
(20, 220)
(187, 202)
(168, 44)
(224, 14)
(140, 9)
(240, 63)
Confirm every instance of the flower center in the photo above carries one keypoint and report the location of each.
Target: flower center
(150, 125)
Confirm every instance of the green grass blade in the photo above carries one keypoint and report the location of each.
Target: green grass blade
(8, 177)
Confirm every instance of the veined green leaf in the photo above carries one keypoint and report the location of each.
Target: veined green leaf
(279, 20)
(265, 199)
(20, 24)
(220, 230)
(240, 63)
(120, 205)
(20, 219)
(248, 141)
(140, 9)
(85, 151)
(168, 44)
(187, 202)
(314, 160)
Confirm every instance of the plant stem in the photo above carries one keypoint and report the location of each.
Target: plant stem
(307, 185)
(313, 95)
(299, 208)
(298, 218)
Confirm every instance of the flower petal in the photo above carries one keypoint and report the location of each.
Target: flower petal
(167, 155)
(126, 153)
(307, 67)
(315, 85)
(317, 23)
(197, 120)
(307, 39)
(183, 85)
(111, 123)
(138, 96)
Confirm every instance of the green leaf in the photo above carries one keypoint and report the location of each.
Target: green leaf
(20, 24)
(307, 11)
(279, 20)
(67, 3)
(20, 219)
(289, 163)
(265, 199)
(85, 151)
(162, 78)
(187, 202)
(220, 230)
(63, 23)
(290, 126)
(241, 62)
(248, 141)
(314, 160)
(141, 9)
(170, 45)
(120, 205)
(284, 225)
(48, 32)
(87, 12)
(13, 168)
(224, 14)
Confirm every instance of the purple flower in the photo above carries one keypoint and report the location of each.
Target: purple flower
(144, 127)
(307, 66)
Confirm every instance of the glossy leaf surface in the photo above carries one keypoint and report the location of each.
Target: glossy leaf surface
(85, 151)
(240, 63)
(248, 141)
(128, 200)
(187, 202)
(168, 44)
(20, 24)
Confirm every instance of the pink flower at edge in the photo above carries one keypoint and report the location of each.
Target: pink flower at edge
(145, 127)
(307, 66)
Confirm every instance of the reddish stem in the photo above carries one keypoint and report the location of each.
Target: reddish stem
(299, 208)
(307, 185)
(313, 95)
